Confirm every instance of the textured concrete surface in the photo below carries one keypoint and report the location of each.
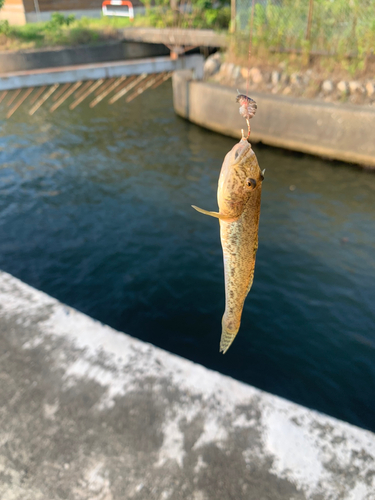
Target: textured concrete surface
(90, 413)
(176, 36)
(342, 132)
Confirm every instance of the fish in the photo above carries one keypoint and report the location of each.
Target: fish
(238, 196)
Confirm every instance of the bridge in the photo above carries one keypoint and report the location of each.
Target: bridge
(178, 40)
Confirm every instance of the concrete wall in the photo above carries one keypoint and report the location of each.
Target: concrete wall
(177, 36)
(25, 11)
(96, 13)
(66, 5)
(88, 413)
(343, 132)
(51, 58)
(14, 12)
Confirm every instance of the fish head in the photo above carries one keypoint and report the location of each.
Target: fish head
(240, 176)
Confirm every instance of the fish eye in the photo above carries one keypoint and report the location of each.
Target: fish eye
(251, 183)
(236, 154)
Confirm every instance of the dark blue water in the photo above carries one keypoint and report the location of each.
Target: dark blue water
(95, 210)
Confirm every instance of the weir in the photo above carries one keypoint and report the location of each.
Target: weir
(38, 86)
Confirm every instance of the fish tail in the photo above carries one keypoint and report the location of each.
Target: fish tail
(227, 337)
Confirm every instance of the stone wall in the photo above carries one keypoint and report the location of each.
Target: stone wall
(306, 83)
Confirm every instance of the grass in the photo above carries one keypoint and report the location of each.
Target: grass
(67, 31)
(60, 30)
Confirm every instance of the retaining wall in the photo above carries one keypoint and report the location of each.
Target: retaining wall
(90, 413)
(26, 60)
(342, 132)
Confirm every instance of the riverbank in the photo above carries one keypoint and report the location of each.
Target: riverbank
(310, 126)
(281, 74)
(88, 412)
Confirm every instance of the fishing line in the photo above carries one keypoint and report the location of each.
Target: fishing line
(250, 44)
(247, 105)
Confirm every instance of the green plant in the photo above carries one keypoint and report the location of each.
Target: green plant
(4, 27)
(59, 21)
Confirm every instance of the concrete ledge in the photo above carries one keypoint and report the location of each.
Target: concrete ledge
(335, 131)
(91, 413)
(65, 74)
(26, 60)
(176, 36)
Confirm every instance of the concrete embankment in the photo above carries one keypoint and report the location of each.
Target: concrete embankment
(26, 60)
(331, 130)
(176, 36)
(69, 74)
(91, 413)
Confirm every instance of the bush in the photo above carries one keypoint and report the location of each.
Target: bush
(4, 26)
(59, 21)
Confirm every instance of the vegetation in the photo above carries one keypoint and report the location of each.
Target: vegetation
(336, 27)
(341, 29)
(188, 14)
(66, 30)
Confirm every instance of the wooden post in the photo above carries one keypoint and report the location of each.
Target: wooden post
(233, 16)
(251, 28)
(309, 19)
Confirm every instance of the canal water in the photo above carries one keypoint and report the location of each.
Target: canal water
(95, 210)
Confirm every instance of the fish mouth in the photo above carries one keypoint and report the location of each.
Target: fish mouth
(240, 150)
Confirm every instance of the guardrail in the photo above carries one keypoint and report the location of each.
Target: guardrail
(118, 12)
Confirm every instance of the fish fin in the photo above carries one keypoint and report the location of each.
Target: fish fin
(226, 340)
(215, 214)
(206, 212)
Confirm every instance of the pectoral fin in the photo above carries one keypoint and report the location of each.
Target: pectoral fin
(206, 212)
(215, 214)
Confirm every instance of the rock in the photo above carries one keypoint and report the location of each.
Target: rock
(244, 72)
(211, 65)
(370, 88)
(295, 79)
(236, 72)
(355, 87)
(284, 79)
(223, 68)
(306, 77)
(327, 86)
(343, 87)
(229, 70)
(287, 90)
(256, 75)
(275, 77)
(266, 77)
(226, 69)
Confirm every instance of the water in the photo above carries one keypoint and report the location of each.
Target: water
(95, 210)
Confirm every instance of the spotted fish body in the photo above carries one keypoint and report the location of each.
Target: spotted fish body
(239, 194)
